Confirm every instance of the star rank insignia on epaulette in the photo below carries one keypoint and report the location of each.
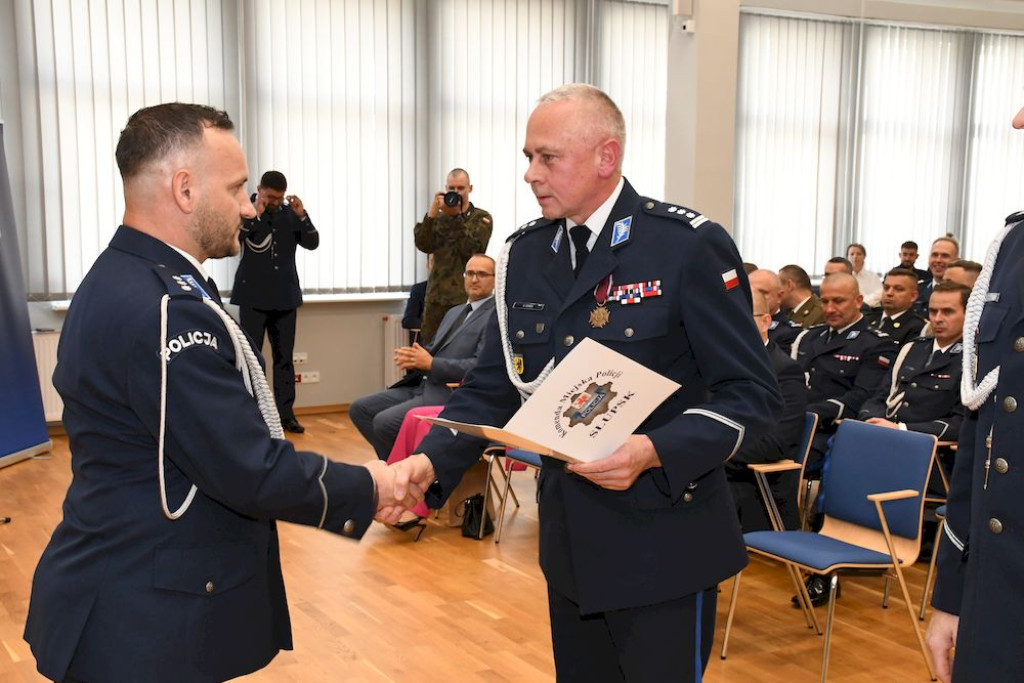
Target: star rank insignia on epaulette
(181, 284)
(527, 227)
(693, 218)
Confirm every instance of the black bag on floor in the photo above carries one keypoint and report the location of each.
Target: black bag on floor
(473, 514)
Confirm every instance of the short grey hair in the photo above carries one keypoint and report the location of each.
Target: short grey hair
(608, 119)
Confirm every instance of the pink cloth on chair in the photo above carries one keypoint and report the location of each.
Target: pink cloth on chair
(410, 434)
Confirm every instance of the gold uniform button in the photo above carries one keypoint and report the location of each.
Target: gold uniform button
(628, 332)
(1002, 467)
(520, 334)
(687, 497)
(913, 385)
(1009, 404)
(995, 526)
(1018, 345)
(349, 527)
(568, 341)
(209, 586)
(649, 205)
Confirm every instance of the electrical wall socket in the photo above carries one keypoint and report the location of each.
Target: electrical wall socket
(309, 377)
(300, 357)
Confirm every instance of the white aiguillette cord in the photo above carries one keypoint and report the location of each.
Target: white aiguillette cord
(255, 384)
(525, 388)
(973, 394)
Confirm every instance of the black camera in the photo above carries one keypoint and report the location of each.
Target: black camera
(453, 199)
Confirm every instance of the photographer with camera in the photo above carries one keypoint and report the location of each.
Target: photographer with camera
(453, 230)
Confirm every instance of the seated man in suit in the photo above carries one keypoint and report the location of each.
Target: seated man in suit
(782, 331)
(450, 355)
(897, 318)
(799, 301)
(778, 444)
(921, 391)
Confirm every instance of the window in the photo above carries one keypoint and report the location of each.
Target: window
(363, 104)
(872, 133)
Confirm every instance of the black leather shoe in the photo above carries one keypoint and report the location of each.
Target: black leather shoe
(817, 588)
(292, 425)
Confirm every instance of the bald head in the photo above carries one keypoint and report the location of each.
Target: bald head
(840, 300)
(768, 284)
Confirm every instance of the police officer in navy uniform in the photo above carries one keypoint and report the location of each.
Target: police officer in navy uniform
(267, 289)
(921, 391)
(896, 316)
(633, 545)
(166, 564)
(978, 598)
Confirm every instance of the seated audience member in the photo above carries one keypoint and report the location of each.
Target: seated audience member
(799, 302)
(896, 317)
(844, 362)
(944, 251)
(921, 391)
(451, 354)
(908, 259)
(837, 264)
(780, 443)
(870, 285)
(749, 267)
(412, 318)
(963, 272)
(782, 331)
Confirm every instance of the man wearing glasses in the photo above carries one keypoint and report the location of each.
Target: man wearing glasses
(444, 360)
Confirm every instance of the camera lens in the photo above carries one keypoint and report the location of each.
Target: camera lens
(452, 198)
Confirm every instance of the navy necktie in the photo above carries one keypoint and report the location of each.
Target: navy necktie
(580, 236)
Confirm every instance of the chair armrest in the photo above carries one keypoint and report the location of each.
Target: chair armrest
(769, 467)
(892, 495)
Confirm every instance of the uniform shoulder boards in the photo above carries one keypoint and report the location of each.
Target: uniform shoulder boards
(920, 339)
(181, 285)
(528, 226)
(689, 216)
(1015, 217)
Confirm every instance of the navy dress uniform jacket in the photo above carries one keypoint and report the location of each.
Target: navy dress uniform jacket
(267, 279)
(905, 328)
(982, 581)
(844, 372)
(121, 590)
(783, 331)
(674, 532)
(929, 391)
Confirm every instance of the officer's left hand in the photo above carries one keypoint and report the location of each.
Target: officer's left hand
(619, 470)
(296, 204)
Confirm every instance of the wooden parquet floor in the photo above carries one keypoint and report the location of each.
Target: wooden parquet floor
(454, 609)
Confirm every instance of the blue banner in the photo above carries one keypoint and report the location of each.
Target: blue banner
(22, 424)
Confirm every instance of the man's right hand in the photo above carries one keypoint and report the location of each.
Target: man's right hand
(941, 639)
(437, 205)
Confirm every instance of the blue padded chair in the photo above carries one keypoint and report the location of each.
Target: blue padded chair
(761, 472)
(873, 507)
(528, 459)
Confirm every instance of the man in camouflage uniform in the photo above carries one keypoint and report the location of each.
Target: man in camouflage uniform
(452, 234)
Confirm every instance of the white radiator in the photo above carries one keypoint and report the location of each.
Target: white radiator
(45, 344)
(394, 337)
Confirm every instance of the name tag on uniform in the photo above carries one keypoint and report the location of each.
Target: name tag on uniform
(527, 306)
(992, 296)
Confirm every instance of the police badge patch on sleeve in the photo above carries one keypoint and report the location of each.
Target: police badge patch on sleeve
(189, 339)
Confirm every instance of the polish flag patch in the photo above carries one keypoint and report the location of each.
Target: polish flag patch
(883, 361)
(731, 279)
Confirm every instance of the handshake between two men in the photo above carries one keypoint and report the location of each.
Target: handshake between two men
(400, 486)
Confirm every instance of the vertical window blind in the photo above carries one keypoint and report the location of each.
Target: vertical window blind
(363, 104)
(873, 133)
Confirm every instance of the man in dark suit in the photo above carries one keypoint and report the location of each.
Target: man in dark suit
(978, 599)
(451, 354)
(780, 443)
(632, 545)
(782, 331)
(267, 288)
(165, 566)
(921, 391)
(897, 317)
